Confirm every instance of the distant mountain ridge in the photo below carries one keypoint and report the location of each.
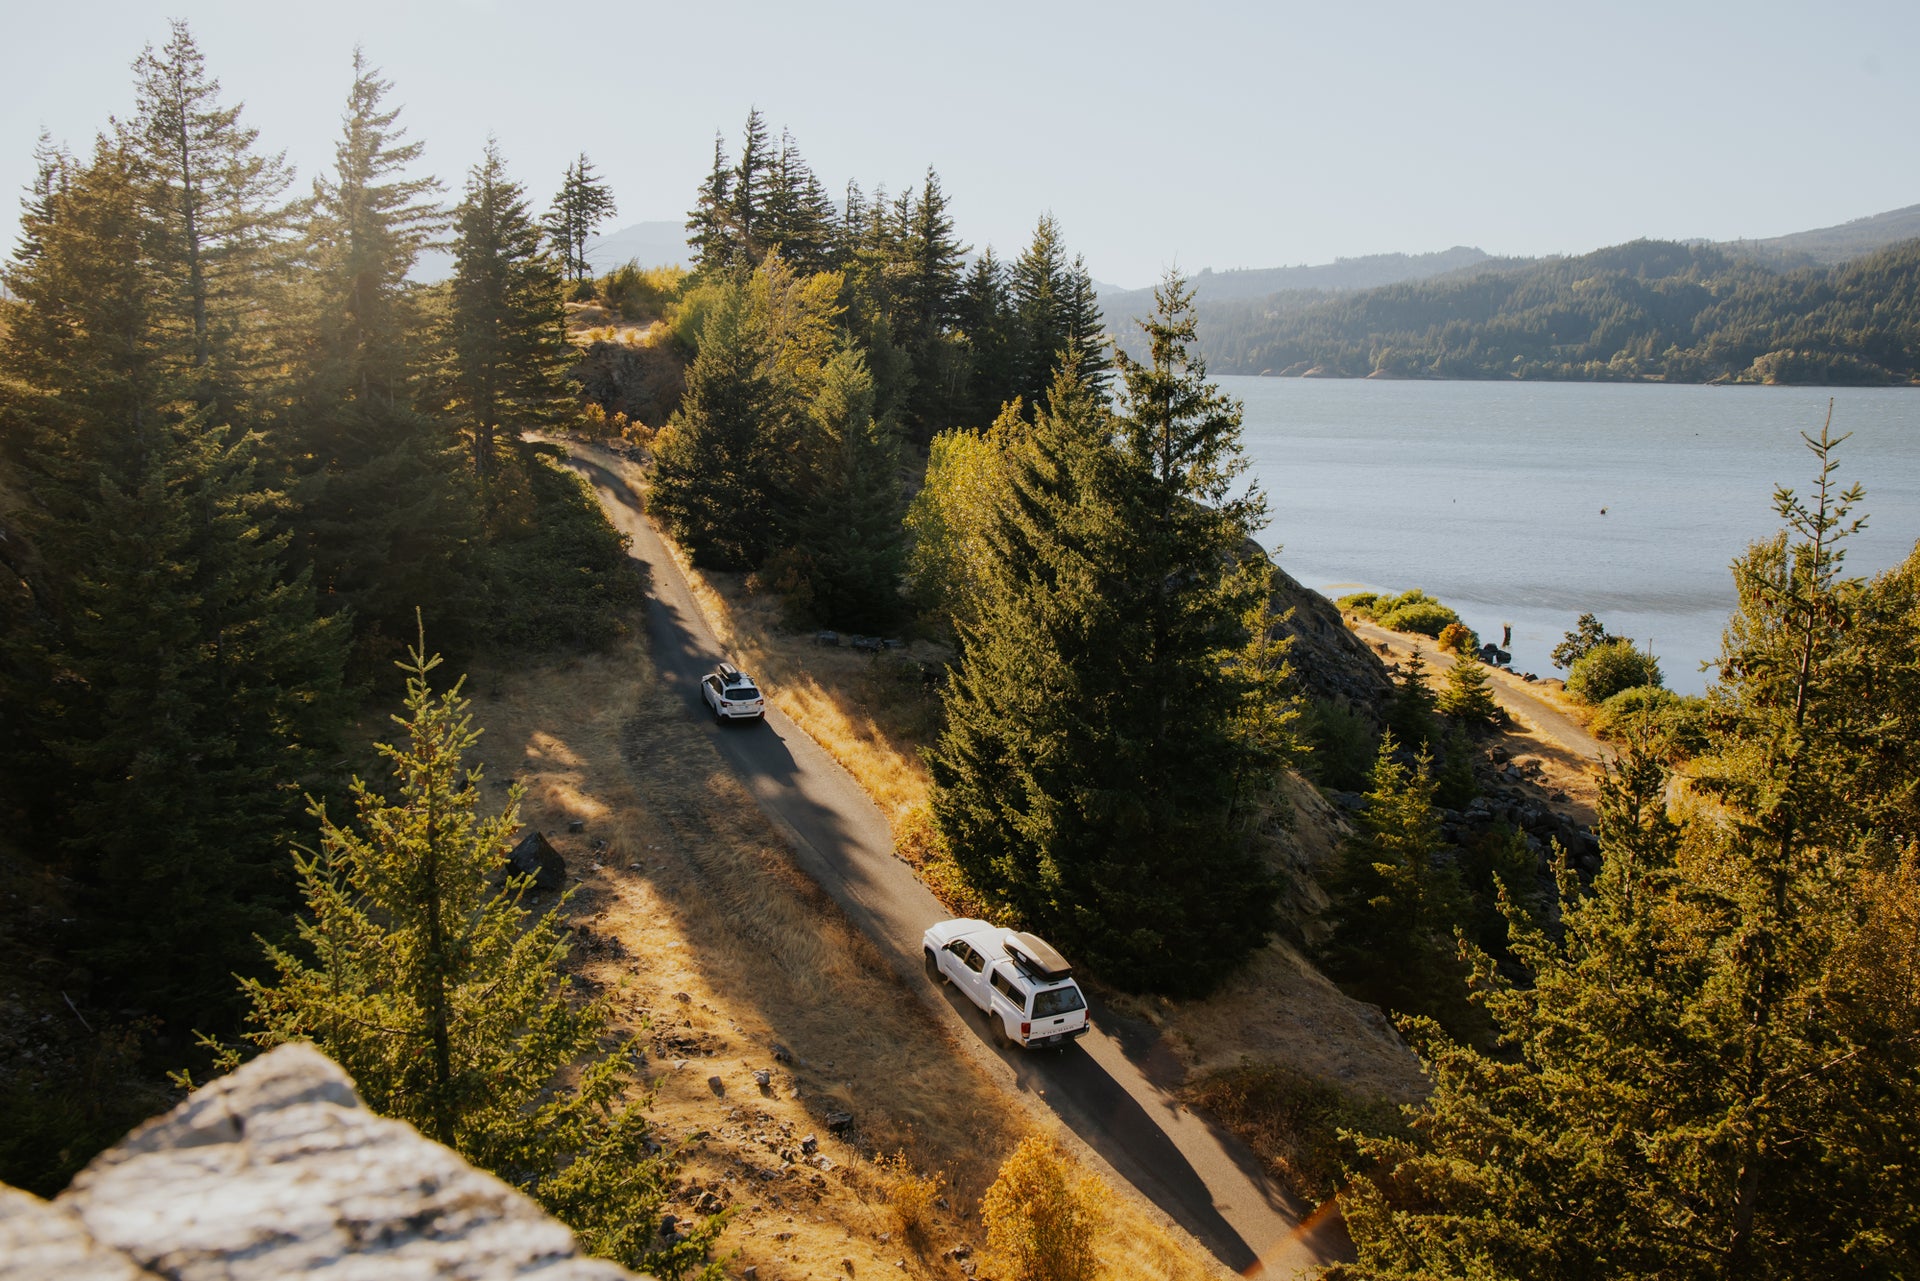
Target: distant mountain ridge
(651, 244)
(1825, 246)
(1368, 272)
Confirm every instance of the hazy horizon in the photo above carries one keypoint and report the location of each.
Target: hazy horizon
(1252, 136)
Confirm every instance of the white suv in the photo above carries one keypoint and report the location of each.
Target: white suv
(1020, 983)
(731, 694)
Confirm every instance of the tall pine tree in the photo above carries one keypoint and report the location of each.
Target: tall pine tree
(505, 321)
(1094, 777)
(583, 203)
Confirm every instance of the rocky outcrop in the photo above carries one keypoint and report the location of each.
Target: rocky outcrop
(279, 1170)
(1329, 661)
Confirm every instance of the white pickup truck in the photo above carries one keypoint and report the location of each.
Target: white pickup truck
(1020, 983)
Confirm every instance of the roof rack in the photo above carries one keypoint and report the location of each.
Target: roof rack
(728, 672)
(1036, 957)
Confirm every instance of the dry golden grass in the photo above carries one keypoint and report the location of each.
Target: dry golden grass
(714, 948)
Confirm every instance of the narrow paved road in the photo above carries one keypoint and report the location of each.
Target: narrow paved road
(1110, 1089)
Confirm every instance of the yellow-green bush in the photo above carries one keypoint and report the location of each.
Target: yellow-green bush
(642, 293)
(1605, 670)
(1040, 1217)
(1458, 638)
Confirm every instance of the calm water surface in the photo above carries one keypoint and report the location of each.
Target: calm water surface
(1490, 496)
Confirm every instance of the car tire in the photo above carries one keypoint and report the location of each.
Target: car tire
(1000, 1037)
(933, 966)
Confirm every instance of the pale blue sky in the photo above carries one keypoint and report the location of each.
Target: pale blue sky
(1196, 135)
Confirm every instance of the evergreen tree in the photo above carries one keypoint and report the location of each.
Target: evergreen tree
(987, 324)
(1587, 634)
(386, 521)
(506, 325)
(1057, 318)
(167, 685)
(1093, 777)
(847, 530)
(222, 230)
(1467, 699)
(715, 462)
(445, 998)
(1712, 1073)
(709, 223)
(1409, 714)
(752, 179)
(800, 216)
(1393, 902)
(583, 203)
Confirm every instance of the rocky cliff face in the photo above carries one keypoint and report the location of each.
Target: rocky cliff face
(279, 1170)
(1331, 662)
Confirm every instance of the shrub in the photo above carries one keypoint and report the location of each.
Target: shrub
(1458, 638)
(1421, 617)
(1361, 603)
(1039, 1217)
(1605, 670)
(639, 294)
(1673, 725)
(910, 1195)
(582, 291)
(1586, 634)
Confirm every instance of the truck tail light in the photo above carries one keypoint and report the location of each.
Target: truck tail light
(1026, 1029)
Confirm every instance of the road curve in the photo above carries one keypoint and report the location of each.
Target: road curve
(1111, 1088)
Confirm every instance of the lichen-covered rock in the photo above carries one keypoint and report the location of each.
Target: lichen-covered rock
(278, 1170)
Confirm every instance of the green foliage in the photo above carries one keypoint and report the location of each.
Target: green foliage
(1116, 597)
(582, 204)
(1587, 634)
(1466, 698)
(1419, 617)
(1394, 902)
(445, 998)
(1360, 603)
(1648, 310)
(505, 322)
(1711, 1068)
(846, 531)
(949, 520)
(1608, 668)
(1672, 726)
(559, 576)
(1340, 745)
(1409, 713)
(639, 294)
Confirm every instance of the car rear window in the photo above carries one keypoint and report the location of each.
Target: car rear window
(743, 692)
(1059, 1000)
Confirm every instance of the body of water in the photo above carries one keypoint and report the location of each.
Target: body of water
(1531, 503)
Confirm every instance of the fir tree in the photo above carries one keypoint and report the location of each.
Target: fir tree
(1709, 1074)
(847, 530)
(1409, 713)
(752, 178)
(1394, 903)
(716, 461)
(385, 519)
(445, 999)
(167, 684)
(583, 203)
(1109, 812)
(1057, 318)
(505, 321)
(709, 223)
(800, 216)
(986, 323)
(222, 230)
(1466, 698)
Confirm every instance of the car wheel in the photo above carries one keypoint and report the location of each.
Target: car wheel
(1000, 1037)
(933, 967)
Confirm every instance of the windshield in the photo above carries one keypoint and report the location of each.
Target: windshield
(1059, 1000)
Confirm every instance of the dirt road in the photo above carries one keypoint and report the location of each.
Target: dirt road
(1571, 753)
(1112, 1089)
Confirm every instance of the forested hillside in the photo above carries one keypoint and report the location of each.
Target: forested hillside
(1648, 310)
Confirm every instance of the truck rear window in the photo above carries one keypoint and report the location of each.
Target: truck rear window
(1059, 1000)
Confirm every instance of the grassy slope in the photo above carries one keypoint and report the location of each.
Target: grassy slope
(714, 947)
